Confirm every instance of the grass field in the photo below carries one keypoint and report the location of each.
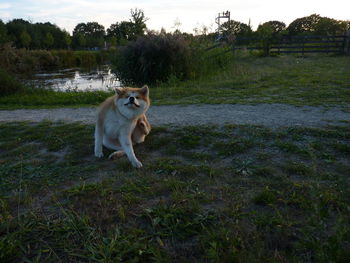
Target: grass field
(314, 80)
(205, 194)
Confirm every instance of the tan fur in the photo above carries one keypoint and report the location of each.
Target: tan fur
(142, 129)
(121, 124)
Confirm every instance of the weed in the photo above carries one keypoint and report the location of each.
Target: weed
(192, 203)
(298, 168)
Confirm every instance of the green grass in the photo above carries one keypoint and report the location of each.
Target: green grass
(313, 80)
(254, 201)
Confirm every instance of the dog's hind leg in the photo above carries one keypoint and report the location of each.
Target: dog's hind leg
(113, 145)
(116, 155)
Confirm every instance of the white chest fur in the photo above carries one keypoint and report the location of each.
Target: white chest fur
(116, 124)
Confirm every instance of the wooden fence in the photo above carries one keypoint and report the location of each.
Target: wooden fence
(295, 44)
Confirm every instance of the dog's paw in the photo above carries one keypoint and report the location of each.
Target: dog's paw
(136, 164)
(115, 155)
(98, 154)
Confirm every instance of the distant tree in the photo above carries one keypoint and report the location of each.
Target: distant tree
(41, 34)
(78, 41)
(57, 34)
(123, 31)
(48, 40)
(304, 24)
(95, 35)
(15, 28)
(236, 28)
(316, 24)
(25, 39)
(177, 25)
(3, 33)
(112, 41)
(275, 26)
(80, 29)
(265, 31)
(92, 33)
(67, 39)
(94, 29)
(329, 26)
(128, 30)
(139, 20)
(81, 40)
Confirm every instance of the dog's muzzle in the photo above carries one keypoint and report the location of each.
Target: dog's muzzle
(132, 102)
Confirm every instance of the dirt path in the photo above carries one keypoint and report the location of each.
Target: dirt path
(272, 115)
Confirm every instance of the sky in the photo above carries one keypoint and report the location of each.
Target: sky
(182, 14)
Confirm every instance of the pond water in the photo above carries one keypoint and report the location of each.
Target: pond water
(77, 79)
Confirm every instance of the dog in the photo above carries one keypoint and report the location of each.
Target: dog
(121, 123)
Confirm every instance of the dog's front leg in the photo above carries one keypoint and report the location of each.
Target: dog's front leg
(126, 144)
(98, 138)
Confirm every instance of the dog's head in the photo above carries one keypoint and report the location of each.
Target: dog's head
(132, 102)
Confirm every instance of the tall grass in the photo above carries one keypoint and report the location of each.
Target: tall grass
(8, 84)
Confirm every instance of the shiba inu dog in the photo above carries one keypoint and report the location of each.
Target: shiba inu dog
(121, 123)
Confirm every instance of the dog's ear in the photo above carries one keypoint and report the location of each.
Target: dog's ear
(145, 91)
(119, 91)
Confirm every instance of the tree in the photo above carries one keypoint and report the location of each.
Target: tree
(25, 39)
(3, 33)
(43, 35)
(15, 28)
(128, 30)
(67, 39)
(139, 20)
(275, 26)
(236, 28)
(92, 32)
(80, 29)
(78, 41)
(265, 31)
(318, 25)
(304, 24)
(123, 31)
(329, 26)
(48, 40)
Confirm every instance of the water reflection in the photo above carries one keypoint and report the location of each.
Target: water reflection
(77, 79)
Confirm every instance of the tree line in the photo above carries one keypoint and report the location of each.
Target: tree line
(92, 35)
(308, 25)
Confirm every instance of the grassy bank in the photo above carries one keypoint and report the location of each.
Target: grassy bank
(205, 194)
(315, 80)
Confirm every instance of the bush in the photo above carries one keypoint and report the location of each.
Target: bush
(66, 58)
(8, 84)
(154, 58)
(45, 59)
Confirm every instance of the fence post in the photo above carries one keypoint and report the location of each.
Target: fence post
(347, 42)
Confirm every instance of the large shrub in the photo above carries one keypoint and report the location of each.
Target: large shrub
(8, 84)
(154, 58)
